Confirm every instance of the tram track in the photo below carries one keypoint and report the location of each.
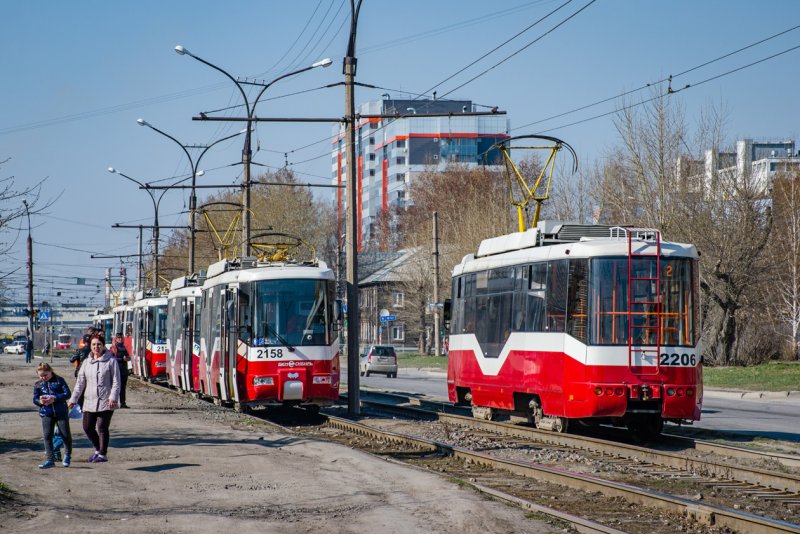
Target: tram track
(612, 502)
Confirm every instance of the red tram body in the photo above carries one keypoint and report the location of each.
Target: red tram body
(569, 322)
(267, 334)
(183, 332)
(149, 337)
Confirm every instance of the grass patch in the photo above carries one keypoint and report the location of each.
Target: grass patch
(415, 360)
(773, 376)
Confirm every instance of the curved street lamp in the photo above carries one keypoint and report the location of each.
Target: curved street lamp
(29, 344)
(251, 109)
(156, 203)
(193, 164)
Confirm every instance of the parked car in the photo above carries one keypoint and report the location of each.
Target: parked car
(379, 359)
(17, 347)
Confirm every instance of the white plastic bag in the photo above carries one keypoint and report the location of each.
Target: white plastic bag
(76, 412)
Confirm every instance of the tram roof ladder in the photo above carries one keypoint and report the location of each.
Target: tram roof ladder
(643, 235)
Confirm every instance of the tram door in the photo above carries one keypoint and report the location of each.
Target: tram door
(186, 344)
(228, 342)
(140, 343)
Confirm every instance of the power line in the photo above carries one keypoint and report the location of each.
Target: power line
(645, 86)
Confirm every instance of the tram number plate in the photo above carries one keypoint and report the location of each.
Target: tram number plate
(678, 360)
(269, 353)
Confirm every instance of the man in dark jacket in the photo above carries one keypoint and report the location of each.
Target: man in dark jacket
(121, 353)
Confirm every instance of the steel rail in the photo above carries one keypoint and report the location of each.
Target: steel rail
(704, 467)
(702, 513)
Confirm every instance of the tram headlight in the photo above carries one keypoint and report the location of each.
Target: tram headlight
(598, 391)
(689, 392)
(619, 391)
(670, 392)
(161, 364)
(680, 392)
(263, 381)
(326, 379)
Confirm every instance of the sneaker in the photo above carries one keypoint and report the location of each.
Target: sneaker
(93, 457)
(67, 460)
(98, 458)
(57, 456)
(47, 464)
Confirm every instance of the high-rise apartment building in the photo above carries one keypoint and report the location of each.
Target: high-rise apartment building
(391, 153)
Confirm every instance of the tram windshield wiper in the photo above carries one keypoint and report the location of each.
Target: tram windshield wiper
(272, 331)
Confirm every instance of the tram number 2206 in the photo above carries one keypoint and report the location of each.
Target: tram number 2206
(678, 360)
(269, 353)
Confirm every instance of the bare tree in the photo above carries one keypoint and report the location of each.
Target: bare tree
(785, 252)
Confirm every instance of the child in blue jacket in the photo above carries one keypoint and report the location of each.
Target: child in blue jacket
(51, 393)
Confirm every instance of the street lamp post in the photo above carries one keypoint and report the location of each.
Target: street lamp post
(246, 151)
(155, 218)
(194, 164)
(29, 344)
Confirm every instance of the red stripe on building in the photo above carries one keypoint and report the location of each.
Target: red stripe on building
(358, 213)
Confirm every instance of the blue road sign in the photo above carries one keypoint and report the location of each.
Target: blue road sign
(44, 316)
(387, 318)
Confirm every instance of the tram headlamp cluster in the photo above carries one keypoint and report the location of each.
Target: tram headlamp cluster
(263, 381)
(619, 391)
(161, 364)
(680, 392)
(322, 379)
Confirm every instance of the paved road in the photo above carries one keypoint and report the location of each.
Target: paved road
(770, 415)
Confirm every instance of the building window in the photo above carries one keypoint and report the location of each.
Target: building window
(372, 157)
(401, 160)
(372, 140)
(373, 125)
(398, 299)
(398, 333)
(399, 178)
(401, 195)
(401, 143)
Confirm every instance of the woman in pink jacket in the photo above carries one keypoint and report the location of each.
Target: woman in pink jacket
(99, 382)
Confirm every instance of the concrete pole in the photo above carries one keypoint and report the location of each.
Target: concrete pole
(351, 242)
(436, 322)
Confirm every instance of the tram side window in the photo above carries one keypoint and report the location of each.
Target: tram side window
(557, 276)
(245, 325)
(535, 298)
(578, 300)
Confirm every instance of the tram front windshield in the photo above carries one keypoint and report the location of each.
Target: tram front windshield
(157, 324)
(293, 312)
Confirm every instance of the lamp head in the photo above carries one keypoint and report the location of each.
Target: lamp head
(112, 170)
(327, 62)
(142, 122)
(181, 50)
(200, 173)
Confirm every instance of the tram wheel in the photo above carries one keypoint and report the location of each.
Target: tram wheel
(312, 409)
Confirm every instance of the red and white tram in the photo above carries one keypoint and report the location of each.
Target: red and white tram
(123, 322)
(183, 332)
(569, 322)
(64, 341)
(267, 334)
(149, 336)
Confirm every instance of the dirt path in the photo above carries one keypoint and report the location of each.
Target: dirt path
(181, 465)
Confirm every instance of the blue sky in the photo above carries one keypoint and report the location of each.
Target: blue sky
(77, 75)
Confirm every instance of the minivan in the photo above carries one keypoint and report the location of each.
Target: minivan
(379, 359)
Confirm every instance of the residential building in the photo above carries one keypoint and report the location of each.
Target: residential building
(392, 152)
(754, 161)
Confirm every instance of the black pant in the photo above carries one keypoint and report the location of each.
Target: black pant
(95, 425)
(123, 382)
(48, 427)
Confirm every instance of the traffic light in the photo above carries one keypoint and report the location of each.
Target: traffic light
(35, 319)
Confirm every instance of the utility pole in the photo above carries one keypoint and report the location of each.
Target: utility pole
(352, 219)
(29, 344)
(436, 322)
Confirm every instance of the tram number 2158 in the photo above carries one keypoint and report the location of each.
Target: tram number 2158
(270, 353)
(678, 360)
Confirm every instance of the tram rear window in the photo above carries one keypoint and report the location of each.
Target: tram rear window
(613, 291)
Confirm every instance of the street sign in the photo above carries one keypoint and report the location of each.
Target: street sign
(44, 315)
(387, 318)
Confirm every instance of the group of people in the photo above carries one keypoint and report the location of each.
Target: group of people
(99, 390)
